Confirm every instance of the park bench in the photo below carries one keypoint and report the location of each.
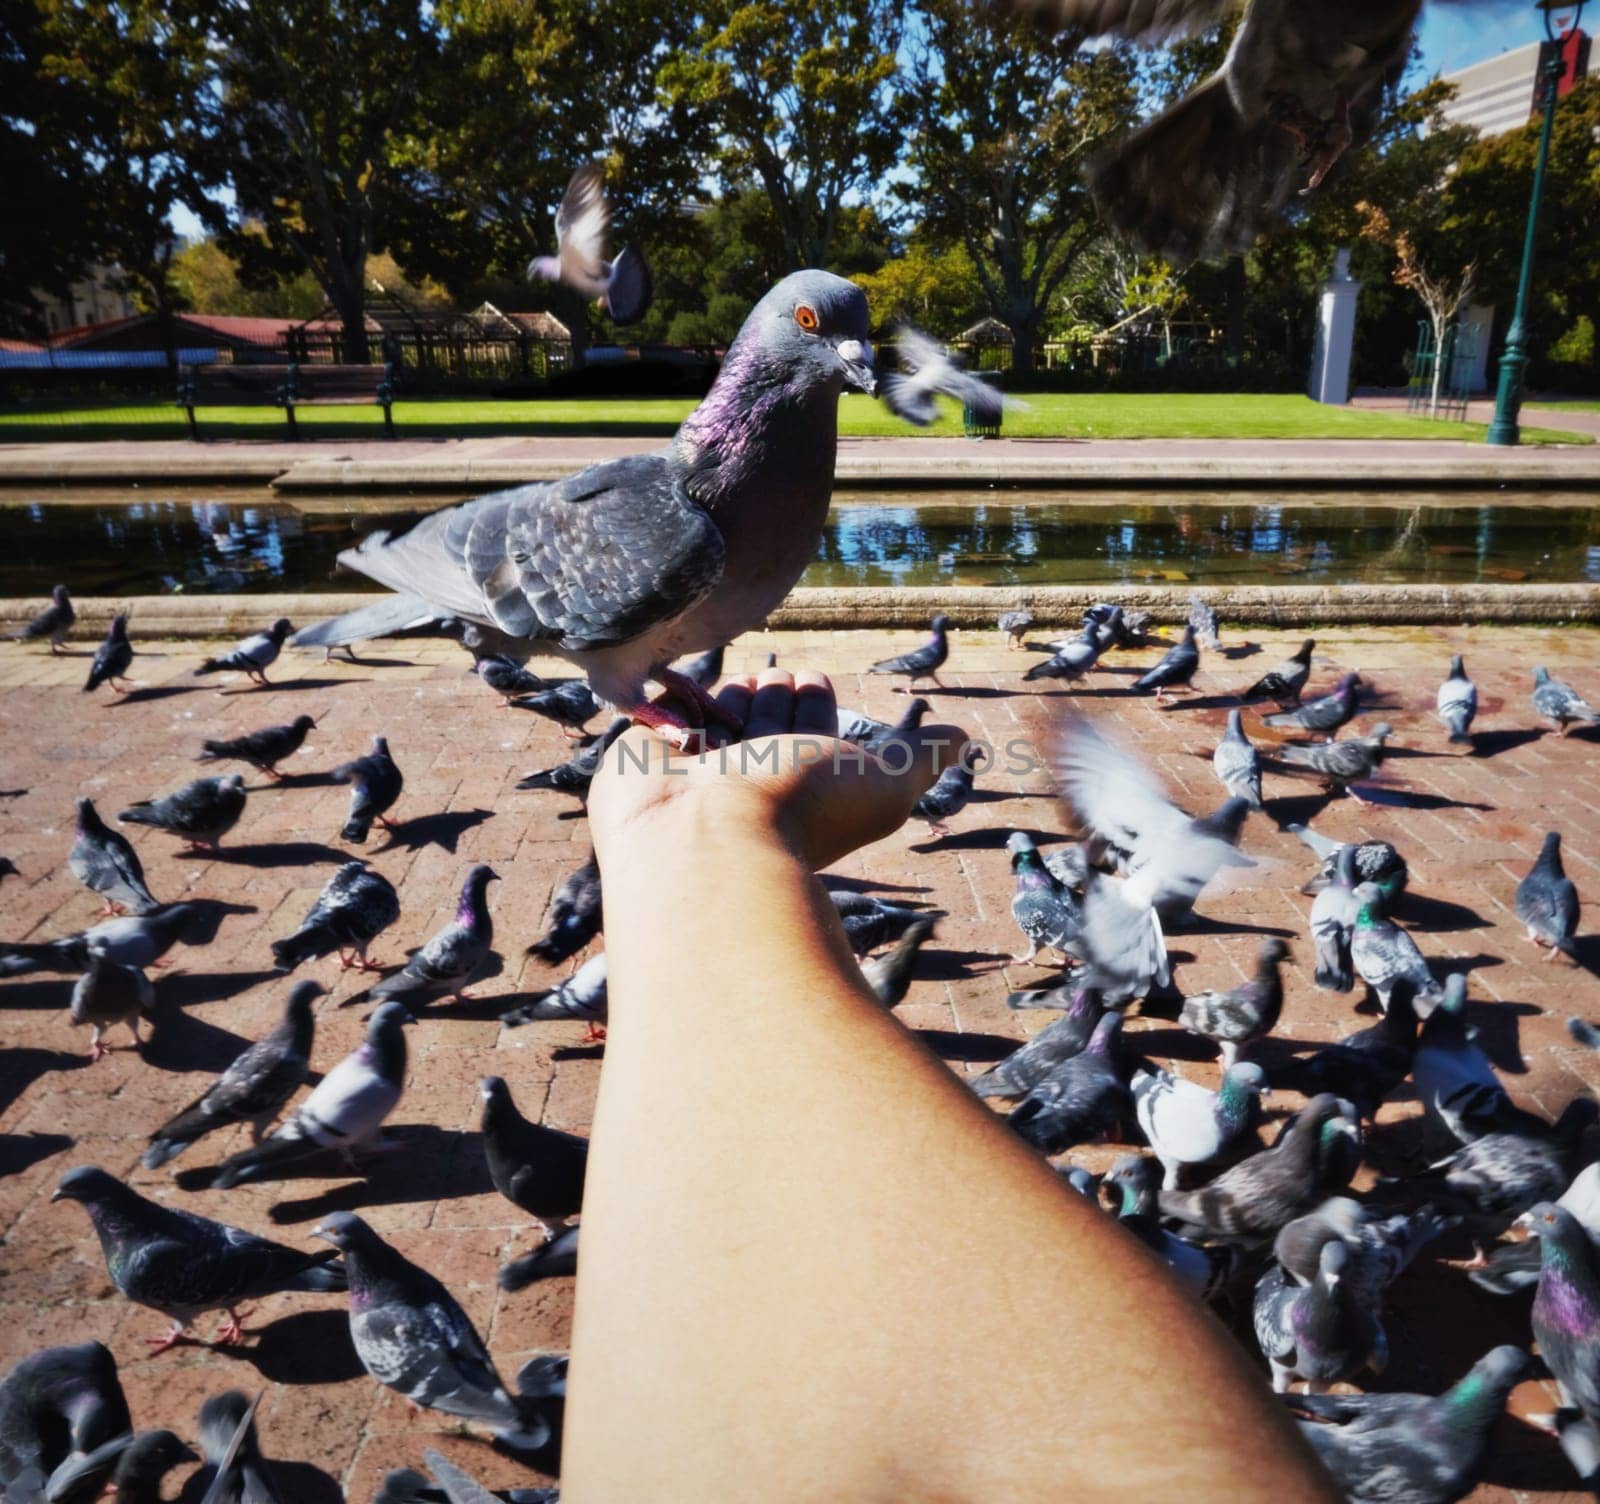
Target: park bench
(286, 386)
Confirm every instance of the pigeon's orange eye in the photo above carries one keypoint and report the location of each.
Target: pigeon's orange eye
(806, 318)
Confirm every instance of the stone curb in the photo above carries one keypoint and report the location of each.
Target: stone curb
(185, 616)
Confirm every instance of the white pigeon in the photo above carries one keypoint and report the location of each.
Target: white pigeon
(1188, 1124)
(927, 369)
(622, 287)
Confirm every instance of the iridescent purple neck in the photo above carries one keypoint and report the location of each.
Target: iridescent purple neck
(1563, 1301)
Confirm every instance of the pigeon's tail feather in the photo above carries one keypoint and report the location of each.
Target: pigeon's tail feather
(139, 814)
(213, 665)
(271, 1155)
(630, 289)
(420, 558)
(1333, 972)
(325, 1277)
(174, 1136)
(399, 613)
(355, 829)
(307, 944)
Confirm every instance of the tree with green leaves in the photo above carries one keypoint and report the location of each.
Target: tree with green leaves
(931, 286)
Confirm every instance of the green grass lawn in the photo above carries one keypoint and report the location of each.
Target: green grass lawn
(1047, 415)
(1578, 405)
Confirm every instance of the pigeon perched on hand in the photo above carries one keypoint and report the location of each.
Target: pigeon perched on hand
(622, 287)
(1176, 668)
(413, 1337)
(1045, 910)
(1547, 902)
(64, 1422)
(346, 1112)
(1566, 1308)
(927, 370)
(576, 774)
(254, 1089)
(576, 915)
(536, 1168)
(583, 996)
(53, 624)
(1237, 764)
(355, 906)
(1014, 626)
(201, 812)
(1558, 703)
(570, 704)
(636, 561)
(1341, 764)
(1318, 1332)
(1082, 1100)
(454, 956)
(1285, 682)
(1382, 953)
(889, 975)
(108, 994)
(264, 749)
(921, 663)
(235, 1471)
(1188, 1125)
(1243, 1013)
(183, 1265)
(112, 658)
(105, 863)
(253, 656)
(1326, 714)
(1030, 1063)
(1457, 702)
(375, 783)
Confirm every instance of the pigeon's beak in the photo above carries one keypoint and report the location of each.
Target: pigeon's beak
(320, 1232)
(859, 372)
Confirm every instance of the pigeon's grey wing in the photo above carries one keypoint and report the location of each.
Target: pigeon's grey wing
(581, 228)
(399, 613)
(908, 398)
(586, 562)
(1111, 790)
(224, 1485)
(1147, 20)
(458, 1487)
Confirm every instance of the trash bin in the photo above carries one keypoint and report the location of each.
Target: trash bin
(973, 428)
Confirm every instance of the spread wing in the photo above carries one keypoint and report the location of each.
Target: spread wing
(584, 563)
(581, 226)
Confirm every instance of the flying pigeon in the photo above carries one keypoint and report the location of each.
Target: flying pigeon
(108, 994)
(927, 369)
(1547, 902)
(64, 1422)
(105, 863)
(1127, 629)
(53, 623)
(576, 774)
(509, 679)
(451, 958)
(555, 1258)
(1285, 682)
(375, 783)
(1237, 763)
(1119, 940)
(1068, 864)
(1044, 909)
(1454, 1080)
(235, 1471)
(1376, 862)
(1176, 668)
(263, 749)
(1072, 660)
(112, 658)
(636, 561)
(1367, 1066)
(1030, 1063)
(1136, 1178)
(1566, 1307)
(870, 922)
(536, 1168)
(183, 1265)
(924, 662)
(1412, 1448)
(1325, 714)
(570, 704)
(575, 915)
(1243, 1013)
(1559, 704)
(872, 735)
(201, 812)
(1014, 626)
(1382, 952)
(413, 1337)
(1457, 702)
(950, 794)
(253, 1089)
(356, 904)
(252, 657)
(582, 996)
(1341, 764)
(1188, 1125)
(889, 975)
(1515, 1266)
(346, 1111)
(1503, 1174)
(1318, 1332)
(1082, 1100)
(1204, 621)
(622, 287)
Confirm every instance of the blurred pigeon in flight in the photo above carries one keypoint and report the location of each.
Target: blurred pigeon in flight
(375, 783)
(622, 287)
(1547, 902)
(254, 655)
(112, 658)
(202, 812)
(1558, 703)
(451, 958)
(1203, 618)
(355, 905)
(264, 749)
(1457, 702)
(927, 370)
(53, 623)
(104, 862)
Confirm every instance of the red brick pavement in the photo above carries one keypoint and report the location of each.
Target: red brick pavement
(1470, 827)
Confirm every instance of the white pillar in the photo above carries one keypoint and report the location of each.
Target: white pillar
(1336, 328)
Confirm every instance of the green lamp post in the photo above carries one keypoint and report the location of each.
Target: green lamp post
(1508, 394)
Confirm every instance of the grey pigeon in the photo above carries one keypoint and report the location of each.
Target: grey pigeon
(1579, 1439)
(183, 1265)
(576, 774)
(1326, 714)
(413, 1337)
(254, 1089)
(1566, 1307)
(201, 812)
(1071, 660)
(1045, 911)
(1455, 1082)
(1333, 922)
(638, 560)
(555, 1258)
(576, 915)
(1368, 1065)
(53, 624)
(112, 658)
(108, 994)
(873, 735)
(355, 906)
(536, 1168)
(1382, 953)
(1204, 621)
(1503, 1174)
(570, 704)
(924, 662)
(1237, 764)
(508, 678)
(1547, 901)
(1341, 765)
(63, 1424)
(582, 996)
(1285, 682)
(1186, 1124)
(1126, 629)
(1376, 862)
(1176, 668)
(950, 794)
(138, 940)
(1014, 626)
(104, 862)
(1136, 1178)
(1082, 1100)
(23, 957)
(870, 922)
(1457, 702)
(1584, 1033)
(1318, 1332)
(345, 1112)
(889, 975)
(451, 958)
(927, 370)
(235, 1471)
(1243, 1013)
(622, 287)
(1260, 1194)
(253, 656)
(1029, 1064)
(1413, 1448)
(263, 749)
(1380, 1250)
(1560, 704)
(706, 668)
(1515, 1266)
(375, 783)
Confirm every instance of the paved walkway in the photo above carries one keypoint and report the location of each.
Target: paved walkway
(1469, 826)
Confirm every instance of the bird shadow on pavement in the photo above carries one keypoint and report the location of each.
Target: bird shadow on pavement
(291, 686)
(324, 780)
(299, 1481)
(1241, 650)
(185, 989)
(153, 692)
(936, 964)
(21, 1151)
(1588, 954)
(952, 1044)
(426, 1163)
(1203, 702)
(1436, 916)
(1297, 809)
(1202, 924)
(1393, 798)
(45, 990)
(183, 1043)
(838, 882)
(973, 692)
(280, 854)
(595, 1051)
(984, 838)
(310, 1347)
(1493, 743)
(443, 830)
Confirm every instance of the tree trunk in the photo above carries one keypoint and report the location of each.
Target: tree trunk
(349, 302)
(1438, 365)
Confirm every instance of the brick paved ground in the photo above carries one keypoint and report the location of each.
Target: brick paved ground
(1469, 827)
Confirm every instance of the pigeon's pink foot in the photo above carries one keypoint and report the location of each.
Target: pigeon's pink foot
(111, 910)
(386, 822)
(701, 704)
(413, 1409)
(231, 1331)
(671, 727)
(1479, 1259)
(168, 1339)
(366, 964)
(937, 829)
(595, 1034)
(96, 1050)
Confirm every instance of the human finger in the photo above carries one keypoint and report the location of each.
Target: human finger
(772, 709)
